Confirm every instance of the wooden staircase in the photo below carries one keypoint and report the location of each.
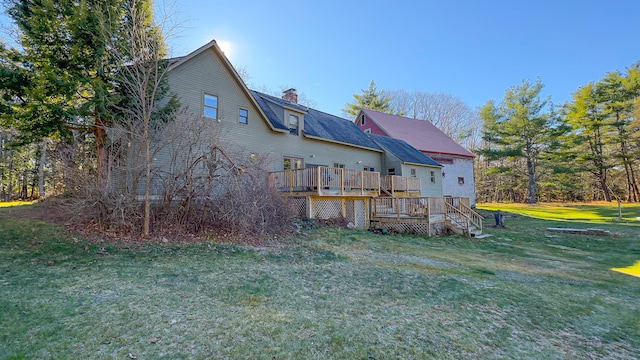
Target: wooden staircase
(461, 219)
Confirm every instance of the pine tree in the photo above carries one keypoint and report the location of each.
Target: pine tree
(522, 128)
(371, 99)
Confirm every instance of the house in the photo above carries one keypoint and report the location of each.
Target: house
(457, 172)
(403, 158)
(325, 163)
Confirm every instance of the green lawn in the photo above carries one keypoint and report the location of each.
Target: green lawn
(592, 213)
(326, 294)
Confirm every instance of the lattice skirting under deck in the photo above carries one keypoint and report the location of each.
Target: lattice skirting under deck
(300, 204)
(412, 228)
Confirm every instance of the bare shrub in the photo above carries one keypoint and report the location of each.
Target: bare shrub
(248, 206)
(198, 185)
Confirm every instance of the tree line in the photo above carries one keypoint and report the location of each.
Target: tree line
(81, 69)
(584, 150)
(85, 107)
(530, 149)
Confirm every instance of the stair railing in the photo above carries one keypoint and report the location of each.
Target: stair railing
(474, 217)
(458, 217)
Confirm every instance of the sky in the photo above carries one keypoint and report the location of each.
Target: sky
(472, 49)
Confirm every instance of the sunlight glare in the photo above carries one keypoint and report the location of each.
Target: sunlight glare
(225, 46)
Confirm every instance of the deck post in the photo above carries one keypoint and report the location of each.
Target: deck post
(341, 181)
(290, 181)
(398, 208)
(428, 217)
(393, 186)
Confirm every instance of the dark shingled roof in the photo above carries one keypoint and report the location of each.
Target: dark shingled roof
(404, 151)
(316, 123)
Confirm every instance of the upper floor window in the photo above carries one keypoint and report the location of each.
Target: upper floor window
(433, 177)
(460, 180)
(294, 122)
(210, 106)
(367, 131)
(391, 171)
(338, 165)
(413, 172)
(362, 120)
(243, 116)
(369, 168)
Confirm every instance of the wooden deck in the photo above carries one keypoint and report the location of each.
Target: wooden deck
(328, 181)
(365, 198)
(394, 185)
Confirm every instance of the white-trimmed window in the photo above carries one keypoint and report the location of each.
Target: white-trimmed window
(210, 105)
(433, 177)
(290, 163)
(294, 123)
(413, 172)
(367, 131)
(363, 121)
(243, 116)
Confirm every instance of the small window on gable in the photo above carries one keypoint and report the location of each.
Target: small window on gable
(210, 106)
(433, 177)
(362, 120)
(413, 172)
(391, 171)
(367, 131)
(460, 180)
(294, 122)
(243, 116)
(338, 165)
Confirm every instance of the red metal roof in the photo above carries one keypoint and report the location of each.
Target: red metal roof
(420, 134)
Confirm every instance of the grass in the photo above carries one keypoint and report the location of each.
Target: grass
(328, 294)
(589, 213)
(14, 203)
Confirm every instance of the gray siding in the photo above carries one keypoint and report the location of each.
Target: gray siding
(428, 188)
(206, 73)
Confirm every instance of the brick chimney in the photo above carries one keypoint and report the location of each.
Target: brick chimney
(290, 95)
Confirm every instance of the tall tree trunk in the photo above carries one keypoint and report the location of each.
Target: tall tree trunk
(634, 184)
(603, 185)
(10, 177)
(531, 172)
(102, 161)
(43, 158)
(147, 181)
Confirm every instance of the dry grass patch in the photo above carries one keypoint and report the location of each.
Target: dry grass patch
(326, 294)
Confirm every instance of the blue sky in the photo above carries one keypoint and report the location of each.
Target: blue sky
(473, 49)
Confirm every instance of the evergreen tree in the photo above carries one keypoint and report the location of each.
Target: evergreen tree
(372, 99)
(522, 128)
(70, 65)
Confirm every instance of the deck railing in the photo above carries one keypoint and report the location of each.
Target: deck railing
(407, 206)
(458, 211)
(400, 185)
(329, 181)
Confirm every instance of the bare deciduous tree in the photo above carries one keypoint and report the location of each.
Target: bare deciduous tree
(447, 112)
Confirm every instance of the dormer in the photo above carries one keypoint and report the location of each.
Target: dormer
(294, 119)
